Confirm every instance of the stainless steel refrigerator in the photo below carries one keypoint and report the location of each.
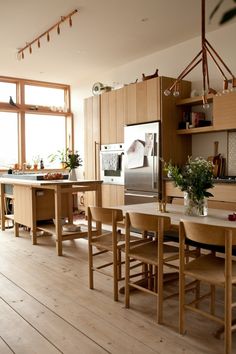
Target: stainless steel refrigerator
(142, 163)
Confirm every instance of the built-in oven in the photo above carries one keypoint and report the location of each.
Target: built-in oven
(112, 163)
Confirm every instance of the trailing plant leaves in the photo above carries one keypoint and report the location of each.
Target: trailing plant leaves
(228, 16)
(216, 9)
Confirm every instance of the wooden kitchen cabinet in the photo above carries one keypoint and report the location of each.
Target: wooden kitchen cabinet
(112, 117)
(223, 195)
(92, 128)
(224, 111)
(112, 195)
(142, 102)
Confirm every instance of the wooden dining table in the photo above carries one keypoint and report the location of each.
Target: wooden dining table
(176, 213)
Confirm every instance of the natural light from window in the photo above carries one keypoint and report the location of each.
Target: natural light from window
(44, 135)
(7, 89)
(45, 96)
(8, 140)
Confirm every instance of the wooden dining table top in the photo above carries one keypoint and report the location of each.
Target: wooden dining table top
(176, 213)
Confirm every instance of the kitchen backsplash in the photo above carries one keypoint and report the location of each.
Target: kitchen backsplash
(232, 153)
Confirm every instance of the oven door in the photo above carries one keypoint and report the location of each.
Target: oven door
(112, 176)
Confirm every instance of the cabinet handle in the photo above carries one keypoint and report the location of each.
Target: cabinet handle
(96, 159)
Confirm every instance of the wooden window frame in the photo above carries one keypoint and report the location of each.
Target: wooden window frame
(22, 109)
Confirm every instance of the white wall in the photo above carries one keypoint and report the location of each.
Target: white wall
(170, 62)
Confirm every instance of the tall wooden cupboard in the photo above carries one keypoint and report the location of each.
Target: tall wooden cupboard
(133, 104)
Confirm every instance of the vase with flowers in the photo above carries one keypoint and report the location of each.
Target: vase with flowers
(194, 179)
(68, 159)
(72, 161)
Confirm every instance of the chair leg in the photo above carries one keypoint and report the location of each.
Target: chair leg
(181, 303)
(197, 293)
(228, 317)
(115, 275)
(90, 267)
(160, 294)
(213, 299)
(119, 265)
(127, 275)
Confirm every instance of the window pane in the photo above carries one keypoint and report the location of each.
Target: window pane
(7, 89)
(44, 96)
(44, 135)
(8, 140)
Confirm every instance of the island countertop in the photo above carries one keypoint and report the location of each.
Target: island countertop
(39, 200)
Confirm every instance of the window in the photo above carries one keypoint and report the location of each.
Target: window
(39, 125)
(45, 96)
(8, 140)
(44, 135)
(7, 89)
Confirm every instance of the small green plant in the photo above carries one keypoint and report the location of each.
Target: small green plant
(67, 158)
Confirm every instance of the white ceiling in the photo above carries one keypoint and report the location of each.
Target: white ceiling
(105, 34)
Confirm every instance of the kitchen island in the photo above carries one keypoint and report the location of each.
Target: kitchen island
(36, 201)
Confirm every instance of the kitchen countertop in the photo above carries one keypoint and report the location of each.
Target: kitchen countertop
(217, 180)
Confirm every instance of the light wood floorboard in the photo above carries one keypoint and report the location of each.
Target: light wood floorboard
(45, 299)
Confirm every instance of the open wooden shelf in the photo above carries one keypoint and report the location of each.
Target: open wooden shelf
(193, 101)
(196, 130)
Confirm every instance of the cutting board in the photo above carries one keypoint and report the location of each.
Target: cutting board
(217, 160)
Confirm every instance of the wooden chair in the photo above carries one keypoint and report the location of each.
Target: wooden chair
(106, 241)
(154, 253)
(210, 269)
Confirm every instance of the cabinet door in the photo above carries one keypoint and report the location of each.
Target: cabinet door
(224, 111)
(153, 99)
(120, 195)
(142, 102)
(92, 142)
(130, 104)
(112, 131)
(112, 195)
(105, 119)
(120, 115)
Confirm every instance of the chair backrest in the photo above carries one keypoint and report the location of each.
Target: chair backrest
(105, 215)
(144, 222)
(207, 234)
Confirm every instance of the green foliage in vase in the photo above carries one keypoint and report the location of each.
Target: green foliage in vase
(227, 15)
(194, 178)
(67, 157)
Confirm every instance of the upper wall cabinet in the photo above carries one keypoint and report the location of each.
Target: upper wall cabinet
(224, 111)
(112, 117)
(142, 101)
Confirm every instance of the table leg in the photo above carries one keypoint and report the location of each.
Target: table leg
(16, 228)
(2, 208)
(33, 221)
(57, 195)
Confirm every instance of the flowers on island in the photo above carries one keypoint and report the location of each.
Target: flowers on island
(67, 158)
(72, 160)
(195, 178)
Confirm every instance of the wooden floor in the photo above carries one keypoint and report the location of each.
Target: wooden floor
(46, 307)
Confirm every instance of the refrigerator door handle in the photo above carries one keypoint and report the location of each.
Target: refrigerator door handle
(140, 195)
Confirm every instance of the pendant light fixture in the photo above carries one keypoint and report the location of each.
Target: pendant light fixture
(37, 40)
(229, 80)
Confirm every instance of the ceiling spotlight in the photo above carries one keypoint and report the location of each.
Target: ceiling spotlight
(46, 34)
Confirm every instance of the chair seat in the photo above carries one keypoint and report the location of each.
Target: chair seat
(210, 269)
(147, 252)
(105, 241)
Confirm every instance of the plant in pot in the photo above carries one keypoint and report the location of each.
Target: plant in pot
(60, 156)
(68, 159)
